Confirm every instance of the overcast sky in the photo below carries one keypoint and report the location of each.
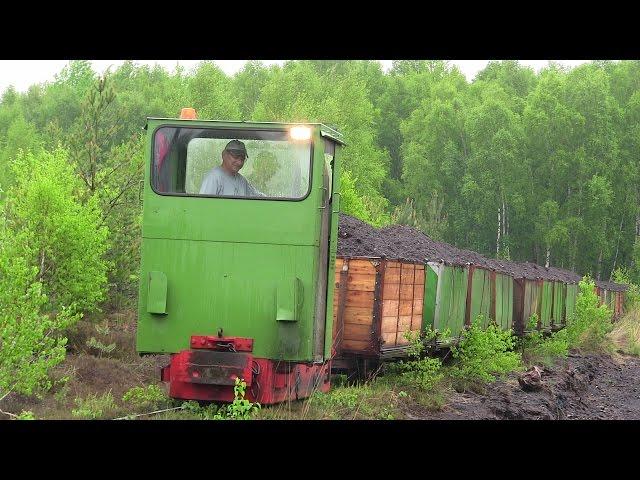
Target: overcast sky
(23, 73)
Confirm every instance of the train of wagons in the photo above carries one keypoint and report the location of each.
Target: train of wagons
(253, 288)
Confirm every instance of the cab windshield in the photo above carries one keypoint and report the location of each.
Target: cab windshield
(235, 163)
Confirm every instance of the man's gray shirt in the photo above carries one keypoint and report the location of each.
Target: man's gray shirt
(219, 182)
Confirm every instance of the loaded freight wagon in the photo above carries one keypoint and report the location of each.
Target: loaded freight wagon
(489, 294)
(462, 293)
(551, 301)
(611, 294)
(558, 314)
(448, 284)
(570, 301)
(377, 303)
(461, 284)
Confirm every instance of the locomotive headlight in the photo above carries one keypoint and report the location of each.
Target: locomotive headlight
(300, 132)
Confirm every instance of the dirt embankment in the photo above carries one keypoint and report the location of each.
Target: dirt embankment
(581, 387)
(91, 372)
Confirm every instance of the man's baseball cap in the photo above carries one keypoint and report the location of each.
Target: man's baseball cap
(236, 147)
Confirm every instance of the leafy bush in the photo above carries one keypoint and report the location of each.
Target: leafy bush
(538, 349)
(66, 240)
(483, 353)
(351, 202)
(532, 335)
(151, 396)
(586, 330)
(588, 327)
(632, 295)
(239, 409)
(30, 340)
(93, 406)
(208, 412)
(556, 345)
(422, 373)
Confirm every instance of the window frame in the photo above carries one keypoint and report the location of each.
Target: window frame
(227, 197)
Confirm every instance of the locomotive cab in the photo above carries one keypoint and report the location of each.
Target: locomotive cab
(234, 279)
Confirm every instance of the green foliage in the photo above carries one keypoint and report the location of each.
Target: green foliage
(61, 395)
(66, 242)
(150, 396)
(102, 348)
(93, 406)
(97, 345)
(512, 164)
(586, 330)
(421, 373)
(78, 74)
(484, 352)
(30, 339)
(211, 94)
(239, 409)
(21, 136)
(589, 326)
(122, 214)
(350, 202)
(430, 220)
(632, 294)
(374, 401)
(26, 415)
(540, 349)
(557, 345)
(634, 273)
(424, 373)
(211, 411)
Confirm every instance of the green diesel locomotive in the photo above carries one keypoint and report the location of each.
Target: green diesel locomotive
(239, 233)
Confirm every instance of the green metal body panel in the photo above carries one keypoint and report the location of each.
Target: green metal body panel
(504, 301)
(247, 266)
(559, 303)
(333, 241)
(610, 299)
(532, 293)
(429, 300)
(570, 305)
(546, 304)
(451, 299)
(480, 295)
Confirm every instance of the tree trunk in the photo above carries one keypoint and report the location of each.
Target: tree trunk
(599, 264)
(615, 258)
(548, 256)
(504, 217)
(498, 239)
